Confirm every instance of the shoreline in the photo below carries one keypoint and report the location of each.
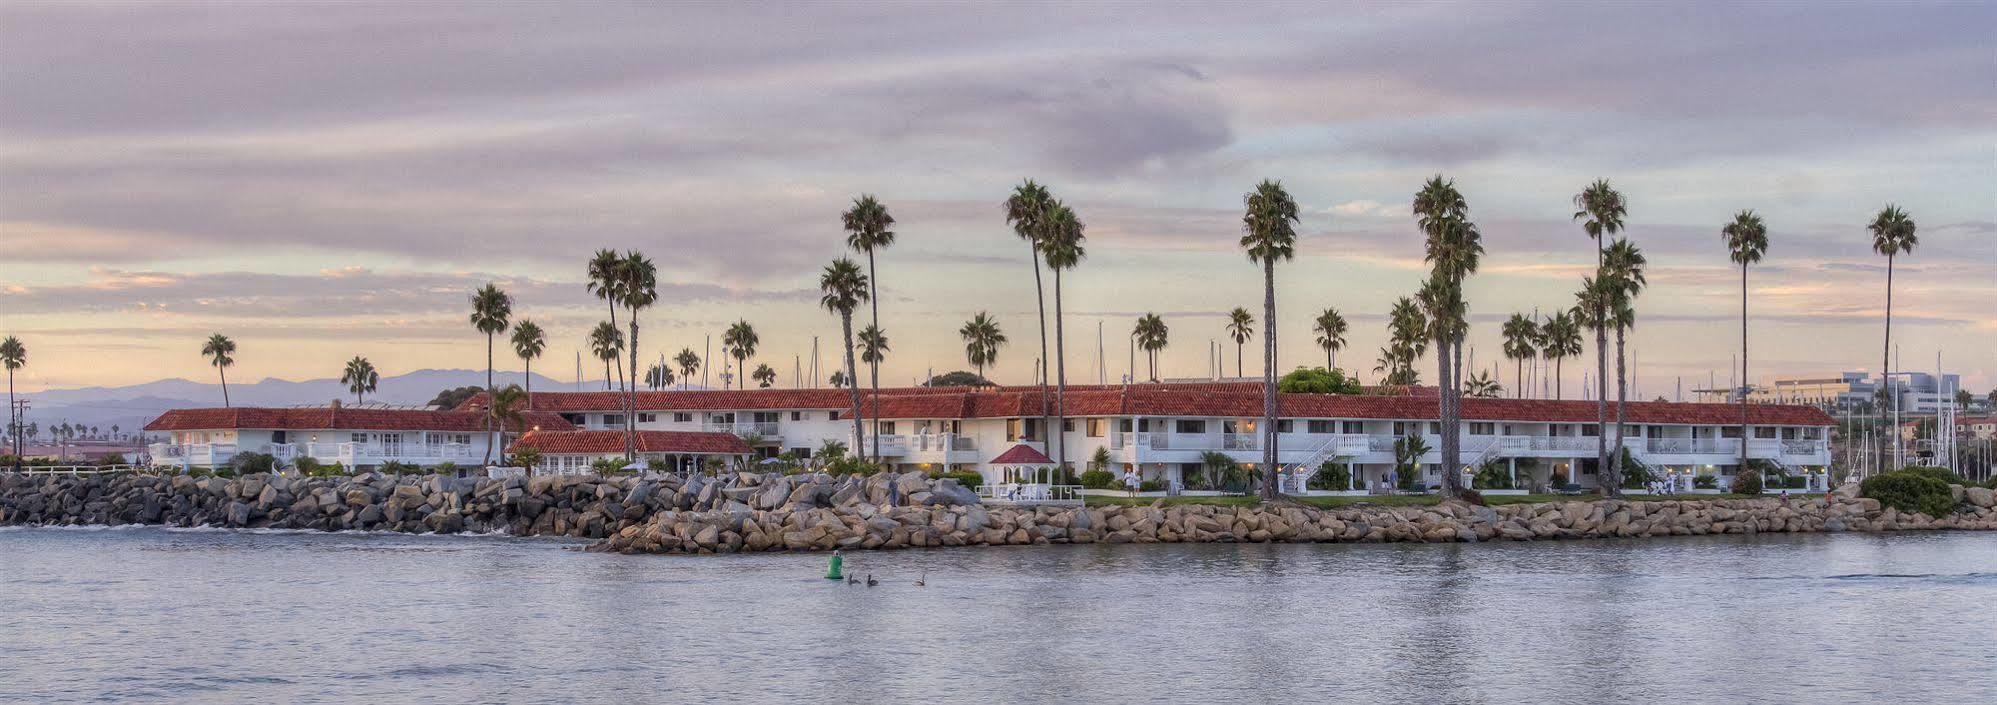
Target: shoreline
(746, 512)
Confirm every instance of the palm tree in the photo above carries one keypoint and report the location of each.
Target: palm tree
(529, 342)
(1152, 336)
(1892, 235)
(1563, 340)
(689, 363)
(1520, 335)
(1330, 328)
(874, 348)
(1269, 235)
(1747, 241)
(844, 287)
(1601, 209)
(1026, 211)
(490, 309)
(607, 344)
(982, 340)
(13, 356)
(503, 409)
(1591, 309)
(837, 380)
(1241, 328)
(1061, 245)
(763, 375)
(1481, 385)
(1407, 341)
(605, 284)
(360, 377)
(638, 287)
(740, 342)
(659, 375)
(221, 352)
(1623, 265)
(1453, 247)
(867, 231)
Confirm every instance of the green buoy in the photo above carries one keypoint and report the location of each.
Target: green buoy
(837, 563)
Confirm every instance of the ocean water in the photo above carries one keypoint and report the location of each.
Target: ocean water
(160, 615)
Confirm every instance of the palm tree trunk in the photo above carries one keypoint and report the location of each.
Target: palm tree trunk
(853, 389)
(1518, 378)
(1615, 488)
(1885, 370)
(606, 363)
(874, 308)
(529, 379)
(631, 397)
(224, 372)
(13, 421)
(1445, 373)
(1743, 367)
(1040, 300)
(1059, 431)
(1237, 358)
(1556, 377)
(1270, 470)
(1602, 400)
(489, 394)
(607, 376)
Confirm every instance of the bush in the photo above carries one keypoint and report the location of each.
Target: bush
(445, 468)
(1100, 460)
(1910, 492)
(1330, 476)
(1795, 483)
(1151, 486)
(1705, 482)
(844, 465)
(1636, 475)
(397, 467)
(1747, 483)
(1317, 380)
(966, 478)
(251, 463)
(1099, 480)
(1492, 476)
(526, 458)
(1937, 473)
(607, 466)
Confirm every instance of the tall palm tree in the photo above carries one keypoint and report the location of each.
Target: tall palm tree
(1623, 264)
(1747, 241)
(1026, 211)
(982, 340)
(1453, 247)
(607, 344)
(740, 340)
(360, 377)
(529, 341)
(1563, 340)
(1892, 235)
(1520, 337)
(1601, 209)
(490, 310)
(605, 284)
(874, 350)
(638, 287)
(659, 376)
(1061, 246)
(844, 286)
(867, 224)
(1330, 328)
(13, 356)
(1152, 336)
(764, 376)
(503, 409)
(1407, 341)
(1481, 385)
(1269, 235)
(1591, 305)
(221, 352)
(1241, 329)
(689, 363)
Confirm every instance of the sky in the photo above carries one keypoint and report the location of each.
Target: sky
(325, 180)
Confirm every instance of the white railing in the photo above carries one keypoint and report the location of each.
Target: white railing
(766, 429)
(1240, 441)
(965, 443)
(1380, 444)
(890, 444)
(1803, 447)
(1561, 443)
(1030, 493)
(1727, 446)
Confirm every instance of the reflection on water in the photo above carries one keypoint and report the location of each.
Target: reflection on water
(153, 614)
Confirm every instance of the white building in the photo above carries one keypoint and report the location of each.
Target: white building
(578, 452)
(357, 438)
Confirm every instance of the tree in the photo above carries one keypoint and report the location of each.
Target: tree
(1026, 211)
(982, 340)
(607, 344)
(1269, 235)
(1317, 381)
(1521, 334)
(958, 378)
(605, 284)
(1330, 328)
(1240, 328)
(1453, 247)
(1562, 341)
(740, 341)
(1152, 336)
(763, 375)
(1622, 267)
(1892, 235)
(504, 408)
(1481, 385)
(638, 287)
(529, 341)
(689, 363)
(490, 310)
(13, 356)
(844, 286)
(1407, 341)
(221, 352)
(1061, 246)
(867, 231)
(1601, 210)
(360, 377)
(1962, 399)
(874, 346)
(451, 398)
(660, 375)
(838, 379)
(1747, 241)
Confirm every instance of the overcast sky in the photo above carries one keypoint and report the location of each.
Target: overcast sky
(320, 181)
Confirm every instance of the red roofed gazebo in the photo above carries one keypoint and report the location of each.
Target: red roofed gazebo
(1027, 475)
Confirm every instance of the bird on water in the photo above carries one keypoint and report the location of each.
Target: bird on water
(871, 581)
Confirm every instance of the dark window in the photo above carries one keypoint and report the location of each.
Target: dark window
(1353, 426)
(1190, 426)
(1318, 426)
(1284, 426)
(682, 417)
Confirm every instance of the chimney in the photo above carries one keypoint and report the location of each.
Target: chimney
(335, 405)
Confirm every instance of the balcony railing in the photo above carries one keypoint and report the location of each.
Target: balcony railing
(1240, 441)
(766, 429)
(1693, 446)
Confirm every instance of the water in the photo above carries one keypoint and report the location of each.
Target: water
(239, 616)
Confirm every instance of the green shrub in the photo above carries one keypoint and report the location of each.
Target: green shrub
(1151, 486)
(607, 466)
(1100, 460)
(1317, 380)
(1910, 492)
(525, 458)
(1706, 482)
(1636, 475)
(1795, 483)
(1747, 483)
(1330, 476)
(1099, 480)
(251, 463)
(843, 465)
(397, 467)
(1937, 473)
(445, 468)
(1493, 476)
(966, 478)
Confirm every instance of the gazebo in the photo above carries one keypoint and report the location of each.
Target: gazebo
(1027, 475)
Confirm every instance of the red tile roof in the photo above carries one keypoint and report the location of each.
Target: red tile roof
(1243, 399)
(1022, 455)
(340, 418)
(612, 442)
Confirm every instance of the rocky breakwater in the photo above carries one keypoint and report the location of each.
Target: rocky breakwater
(579, 506)
(867, 526)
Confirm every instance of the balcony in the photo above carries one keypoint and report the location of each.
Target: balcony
(767, 430)
(1692, 446)
(1240, 441)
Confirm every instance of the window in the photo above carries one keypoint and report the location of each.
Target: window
(647, 418)
(1729, 431)
(1352, 426)
(1789, 434)
(801, 453)
(1098, 428)
(1067, 425)
(1764, 432)
(1401, 428)
(1435, 428)
(1482, 428)
(613, 419)
(1284, 426)
(459, 438)
(1189, 426)
(767, 417)
(1590, 431)
(682, 417)
(885, 428)
(1123, 425)
(1021, 429)
(1316, 426)
(797, 416)
(359, 438)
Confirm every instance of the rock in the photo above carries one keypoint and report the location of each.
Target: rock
(1980, 496)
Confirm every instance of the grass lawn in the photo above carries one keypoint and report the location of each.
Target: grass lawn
(1401, 500)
